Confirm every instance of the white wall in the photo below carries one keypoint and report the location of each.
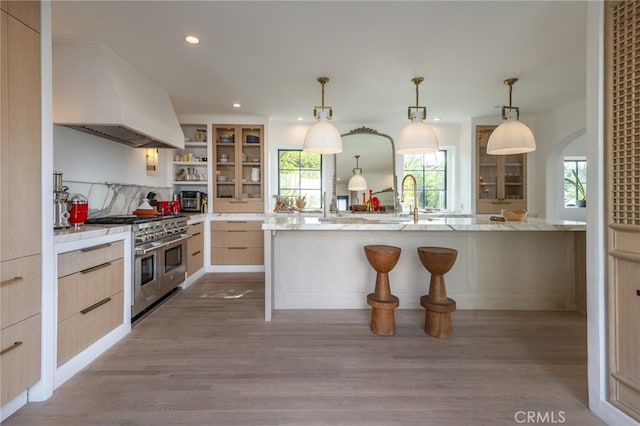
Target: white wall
(553, 130)
(86, 158)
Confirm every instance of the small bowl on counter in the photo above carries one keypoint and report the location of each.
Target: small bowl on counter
(514, 215)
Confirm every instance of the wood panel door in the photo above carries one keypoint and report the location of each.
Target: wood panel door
(622, 126)
(19, 139)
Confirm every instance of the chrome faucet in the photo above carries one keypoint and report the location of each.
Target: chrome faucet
(414, 212)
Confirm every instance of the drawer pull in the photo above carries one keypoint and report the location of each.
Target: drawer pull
(98, 247)
(637, 292)
(95, 305)
(195, 253)
(501, 202)
(12, 280)
(239, 202)
(15, 345)
(95, 268)
(237, 248)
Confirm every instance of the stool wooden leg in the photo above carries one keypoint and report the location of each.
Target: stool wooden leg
(383, 322)
(437, 324)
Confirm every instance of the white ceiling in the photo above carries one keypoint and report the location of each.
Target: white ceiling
(267, 55)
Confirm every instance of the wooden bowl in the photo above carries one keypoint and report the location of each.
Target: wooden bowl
(515, 215)
(145, 212)
(358, 207)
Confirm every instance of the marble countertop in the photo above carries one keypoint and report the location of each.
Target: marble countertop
(87, 231)
(426, 223)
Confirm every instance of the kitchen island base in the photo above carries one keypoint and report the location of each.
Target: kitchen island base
(511, 270)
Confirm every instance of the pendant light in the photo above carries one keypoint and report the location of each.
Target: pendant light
(512, 136)
(357, 181)
(323, 137)
(417, 137)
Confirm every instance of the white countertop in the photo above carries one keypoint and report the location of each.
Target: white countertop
(87, 231)
(426, 223)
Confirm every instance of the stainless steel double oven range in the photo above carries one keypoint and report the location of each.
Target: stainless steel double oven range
(159, 256)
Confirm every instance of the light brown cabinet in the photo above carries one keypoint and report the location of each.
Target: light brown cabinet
(90, 296)
(238, 176)
(19, 325)
(501, 180)
(19, 357)
(19, 136)
(195, 248)
(237, 243)
(20, 240)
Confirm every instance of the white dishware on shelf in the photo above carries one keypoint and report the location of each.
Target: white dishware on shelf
(255, 174)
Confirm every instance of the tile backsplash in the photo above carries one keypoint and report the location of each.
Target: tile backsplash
(113, 198)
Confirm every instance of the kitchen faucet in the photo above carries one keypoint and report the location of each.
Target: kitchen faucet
(415, 196)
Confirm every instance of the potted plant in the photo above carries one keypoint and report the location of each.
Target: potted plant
(577, 183)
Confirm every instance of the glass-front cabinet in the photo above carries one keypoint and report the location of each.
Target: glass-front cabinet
(501, 180)
(238, 178)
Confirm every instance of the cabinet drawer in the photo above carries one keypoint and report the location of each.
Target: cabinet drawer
(236, 226)
(239, 238)
(79, 260)
(79, 331)
(196, 229)
(195, 247)
(19, 289)
(19, 357)
(237, 256)
(222, 205)
(82, 289)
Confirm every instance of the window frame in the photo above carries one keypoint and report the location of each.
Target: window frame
(300, 190)
(422, 189)
(576, 162)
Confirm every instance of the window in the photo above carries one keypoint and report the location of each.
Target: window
(575, 194)
(300, 175)
(430, 171)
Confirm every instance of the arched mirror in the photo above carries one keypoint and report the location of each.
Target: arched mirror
(376, 159)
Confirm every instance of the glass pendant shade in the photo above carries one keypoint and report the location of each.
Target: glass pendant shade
(357, 181)
(417, 137)
(323, 137)
(511, 137)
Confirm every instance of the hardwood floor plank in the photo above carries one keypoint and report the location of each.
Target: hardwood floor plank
(207, 357)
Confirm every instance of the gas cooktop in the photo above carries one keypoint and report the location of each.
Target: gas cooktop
(128, 219)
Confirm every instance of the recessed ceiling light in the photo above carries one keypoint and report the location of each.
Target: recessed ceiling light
(436, 119)
(237, 105)
(192, 39)
(300, 119)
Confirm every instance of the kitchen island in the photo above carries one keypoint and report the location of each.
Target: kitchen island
(316, 263)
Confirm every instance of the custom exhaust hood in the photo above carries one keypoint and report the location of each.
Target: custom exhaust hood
(97, 92)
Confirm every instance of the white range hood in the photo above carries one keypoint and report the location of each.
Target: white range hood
(96, 91)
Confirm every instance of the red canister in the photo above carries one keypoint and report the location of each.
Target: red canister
(175, 206)
(164, 207)
(78, 210)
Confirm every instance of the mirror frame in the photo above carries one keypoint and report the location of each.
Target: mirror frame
(366, 131)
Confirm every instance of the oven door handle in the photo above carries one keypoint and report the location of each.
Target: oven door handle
(181, 237)
(155, 246)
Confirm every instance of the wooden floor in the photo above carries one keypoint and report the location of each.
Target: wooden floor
(207, 357)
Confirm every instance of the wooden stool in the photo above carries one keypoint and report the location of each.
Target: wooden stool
(438, 261)
(382, 259)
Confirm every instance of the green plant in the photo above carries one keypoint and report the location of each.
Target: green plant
(577, 183)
